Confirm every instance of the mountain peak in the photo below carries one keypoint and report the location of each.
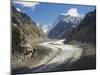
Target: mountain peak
(64, 23)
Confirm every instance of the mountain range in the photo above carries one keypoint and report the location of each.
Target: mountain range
(86, 30)
(63, 25)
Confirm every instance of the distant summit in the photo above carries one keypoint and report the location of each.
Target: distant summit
(86, 30)
(64, 24)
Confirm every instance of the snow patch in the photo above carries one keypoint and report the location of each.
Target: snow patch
(18, 9)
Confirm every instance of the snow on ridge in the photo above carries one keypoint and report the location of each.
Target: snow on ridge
(70, 15)
(18, 9)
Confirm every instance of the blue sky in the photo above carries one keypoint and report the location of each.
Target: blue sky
(47, 13)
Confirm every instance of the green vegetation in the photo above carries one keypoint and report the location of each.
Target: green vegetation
(16, 40)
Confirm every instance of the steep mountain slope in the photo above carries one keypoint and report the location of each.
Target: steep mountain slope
(26, 26)
(85, 36)
(86, 30)
(63, 25)
(25, 38)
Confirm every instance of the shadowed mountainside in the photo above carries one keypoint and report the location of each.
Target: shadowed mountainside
(86, 30)
(63, 25)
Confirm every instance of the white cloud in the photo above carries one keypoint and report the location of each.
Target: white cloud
(72, 12)
(27, 4)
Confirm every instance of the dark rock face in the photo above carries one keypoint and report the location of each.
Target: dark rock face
(63, 25)
(86, 30)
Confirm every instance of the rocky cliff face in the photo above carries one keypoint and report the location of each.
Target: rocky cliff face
(25, 38)
(25, 34)
(86, 30)
(26, 26)
(63, 25)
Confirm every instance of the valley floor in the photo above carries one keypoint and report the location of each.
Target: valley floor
(62, 58)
